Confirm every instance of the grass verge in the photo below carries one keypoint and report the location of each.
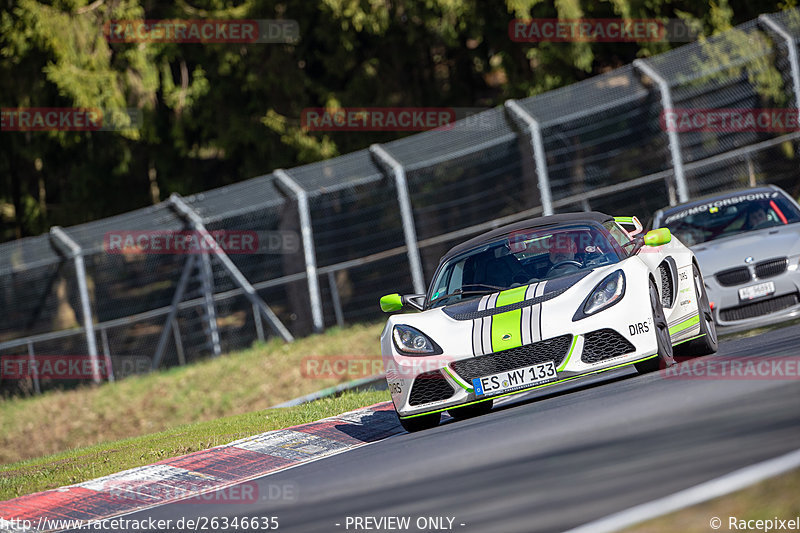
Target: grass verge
(87, 463)
(776, 497)
(237, 383)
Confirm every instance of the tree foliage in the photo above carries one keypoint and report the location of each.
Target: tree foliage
(214, 114)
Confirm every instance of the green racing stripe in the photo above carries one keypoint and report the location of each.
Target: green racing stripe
(457, 380)
(686, 324)
(507, 327)
(571, 349)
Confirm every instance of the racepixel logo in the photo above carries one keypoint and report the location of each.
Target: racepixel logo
(202, 31)
(69, 119)
(195, 242)
(730, 120)
(599, 30)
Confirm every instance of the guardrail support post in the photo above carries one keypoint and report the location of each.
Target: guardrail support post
(674, 142)
(308, 247)
(249, 291)
(407, 215)
(791, 48)
(107, 355)
(207, 281)
(178, 342)
(31, 358)
(538, 153)
(173, 312)
(73, 250)
(258, 324)
(337, 303)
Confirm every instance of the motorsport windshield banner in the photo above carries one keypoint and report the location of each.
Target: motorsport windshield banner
(716, 204)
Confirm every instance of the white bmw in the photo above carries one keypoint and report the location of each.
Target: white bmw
(537, 303)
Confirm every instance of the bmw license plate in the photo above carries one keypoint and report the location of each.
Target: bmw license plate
(520, 378)
(756, 291)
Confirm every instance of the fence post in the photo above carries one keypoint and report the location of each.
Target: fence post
(178, 342)
(107, 355)
(207, 281)
(406, 214)
(337, 303)
(674, 142)
(249, 291)
(31, 358)
(308, 247)
(538, 153)
(792, 49)
(173, 312)
(80, 272)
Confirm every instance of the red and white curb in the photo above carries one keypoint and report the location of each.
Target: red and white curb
(189, 476)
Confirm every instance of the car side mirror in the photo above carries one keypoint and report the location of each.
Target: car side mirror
(657, 237)
(394, 302)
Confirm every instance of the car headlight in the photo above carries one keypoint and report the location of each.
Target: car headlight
(412, 341)
(607, 293)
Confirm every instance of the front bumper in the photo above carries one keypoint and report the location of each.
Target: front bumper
(733, 314)
(422, 385)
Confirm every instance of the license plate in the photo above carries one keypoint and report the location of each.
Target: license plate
(756, 291)
(520, 378)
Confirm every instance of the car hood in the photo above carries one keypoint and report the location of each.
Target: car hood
(549, 290)
(731, 252)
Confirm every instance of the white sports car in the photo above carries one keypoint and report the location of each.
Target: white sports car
(541, 302)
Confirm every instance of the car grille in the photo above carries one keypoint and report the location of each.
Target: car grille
(604, 344)
(755, 309)
(554, 349)
(771, 267)
(666, 286)
(764, 269)
(734, 276)
(430, 387)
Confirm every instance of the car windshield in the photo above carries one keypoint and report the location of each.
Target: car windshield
(724, 217)
(522, 258)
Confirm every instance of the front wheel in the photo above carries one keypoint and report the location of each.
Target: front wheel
(418, 423)
(706, 342)
(663, 341)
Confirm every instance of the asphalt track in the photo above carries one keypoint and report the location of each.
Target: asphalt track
(548, 462)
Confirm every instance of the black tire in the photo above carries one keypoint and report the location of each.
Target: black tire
(418, 423)
(664, 356)
(708, 342)
(468, 411)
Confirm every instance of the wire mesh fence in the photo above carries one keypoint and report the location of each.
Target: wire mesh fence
(377, 221)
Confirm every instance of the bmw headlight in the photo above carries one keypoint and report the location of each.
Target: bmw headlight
(607, 293)
(412, 341)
